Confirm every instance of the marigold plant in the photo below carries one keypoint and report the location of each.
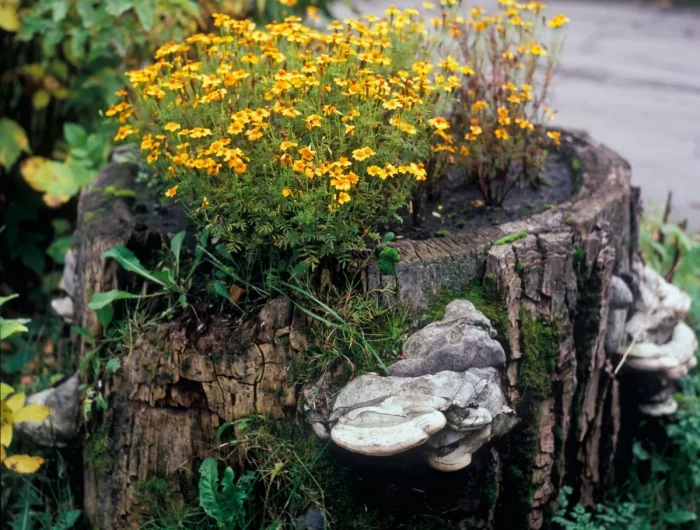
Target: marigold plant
(289, 137)
(497, 133)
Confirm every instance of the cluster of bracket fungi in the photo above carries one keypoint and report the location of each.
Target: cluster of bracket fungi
(647, 337)
(445, 396)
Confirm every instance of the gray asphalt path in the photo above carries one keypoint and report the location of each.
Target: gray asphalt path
(630, 75)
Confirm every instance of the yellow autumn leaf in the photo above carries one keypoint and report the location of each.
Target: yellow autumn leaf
(30, 169)
(13, 141)
(5, 390)
(41, 99)
(6, 435)
(16, 401)
(31, 413)
(23, 463)
(9, 19)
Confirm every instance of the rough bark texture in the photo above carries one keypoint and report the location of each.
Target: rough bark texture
(182, 379)
(552, 280)
(178, 381)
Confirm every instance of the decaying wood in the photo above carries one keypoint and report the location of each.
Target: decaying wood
(580, 421)
(178, 381)
(182, 379)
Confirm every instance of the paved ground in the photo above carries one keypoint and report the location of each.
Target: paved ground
(630, 75)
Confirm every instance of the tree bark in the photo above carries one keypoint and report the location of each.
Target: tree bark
(182, 379)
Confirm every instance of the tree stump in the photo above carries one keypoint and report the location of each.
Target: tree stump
(182, 379)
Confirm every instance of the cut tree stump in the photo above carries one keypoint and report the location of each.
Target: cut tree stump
(182, 379)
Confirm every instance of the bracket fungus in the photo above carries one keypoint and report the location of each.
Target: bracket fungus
(445, 395)
(658, 347)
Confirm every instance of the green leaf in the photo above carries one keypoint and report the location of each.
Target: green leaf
(41, 99)
(176, 248)
(221, 290)
(101, 402)
(87, 12)
(83, 332)
(145, 11)
(388, 237)
(131, 263)
(100, 300)
(6, 390)
(61, 226)
(221, 430)
(15, 326)
(105, 316)
(113, 365)
(87, 358)
(208, 488)
(66, 520)
(117, 7)
(13, 141)
(4, 299)
(387, 257)
(59, 247)
(679, 516)
(74, 134)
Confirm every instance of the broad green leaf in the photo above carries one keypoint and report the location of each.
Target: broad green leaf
(105, 316)
(75, 134)
(13, 141)
(679, 516)
(388, 237)
(129, 262)
(222, 429)
(208, 488)
(87, 12)
(15, 326)
(118, 7)
(221, 290)
(59, 247)
(100, 300)
(113, 365)
(67, 520)
(145, 11)
(176, 248)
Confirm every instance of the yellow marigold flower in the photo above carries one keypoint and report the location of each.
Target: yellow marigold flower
(254, 134)
(524, 124)
(124, 131)
(286, 159)
(286, 192)
(558, 21)
(313, 121)
(198, 132)
(121, 93)
(205, 202)
(449, 64)
(287, 145)
(250, 58)
(350, 130)
(343, 197)
(514, 98)
(298, 166)
(555, 136)
(439, 123)
(428, 5)
(172, 191)
(392, 104)
(328, 109)
(502, 134)
(508, 55)
(312, 12)
(464, 150)
(288, 3)
(476, 130)
(392, 11)
(480, 105)
(306, 153)
(537, 49)
(362, 153)
(466, 70)
(171, 126)
(407, 128)
(377, 171)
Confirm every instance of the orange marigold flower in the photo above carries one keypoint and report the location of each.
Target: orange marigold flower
(439, 123)
(350, 130)
(313, 121)
(555, 136)
(172, 191)
(124, 131)
(502, 134)
(480, 105)
(343, 197)
(306, 153)
(286, 192)
(288, 3)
